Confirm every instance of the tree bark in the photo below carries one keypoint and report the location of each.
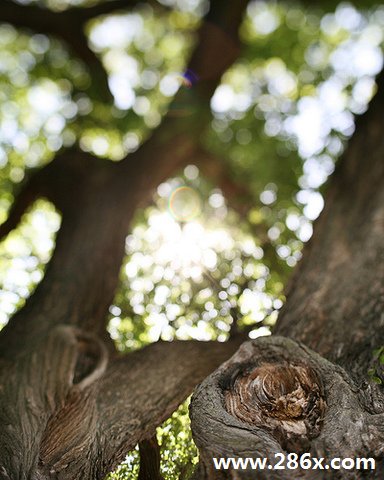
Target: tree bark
(276, 394)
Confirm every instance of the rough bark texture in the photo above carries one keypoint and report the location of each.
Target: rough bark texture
(336, 299)
(277, 395)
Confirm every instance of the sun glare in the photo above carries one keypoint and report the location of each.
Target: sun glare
(190, 266)
(188, 247)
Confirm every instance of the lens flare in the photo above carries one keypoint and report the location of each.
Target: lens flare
(189, 78)
(185, 204)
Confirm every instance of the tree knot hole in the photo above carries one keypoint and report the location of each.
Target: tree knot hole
(91, 360)
(286, 399)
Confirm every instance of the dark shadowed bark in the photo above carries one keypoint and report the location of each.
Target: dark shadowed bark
(150, 460)
(276, 394)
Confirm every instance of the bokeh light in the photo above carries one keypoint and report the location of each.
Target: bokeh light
(185, 204)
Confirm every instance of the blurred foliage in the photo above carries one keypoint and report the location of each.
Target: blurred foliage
(196, 260)
(178, 452)
(23, 257)
(376, 372)
(206, 263)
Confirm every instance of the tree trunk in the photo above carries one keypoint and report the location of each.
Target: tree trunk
(276, 394)
(71, 407)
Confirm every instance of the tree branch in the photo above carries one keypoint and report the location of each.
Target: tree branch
(216, 50)
(23, 200)
(66, 361)
(136, 394)
(149, 459)
(140, 391)
(61, 182)
(335, 299)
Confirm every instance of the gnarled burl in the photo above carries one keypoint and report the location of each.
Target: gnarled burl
(277, 396)
(283, 397)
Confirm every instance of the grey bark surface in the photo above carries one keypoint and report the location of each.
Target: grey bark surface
(329, 417)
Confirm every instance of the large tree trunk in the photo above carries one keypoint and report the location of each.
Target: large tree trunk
(276, 394)
(70, 406)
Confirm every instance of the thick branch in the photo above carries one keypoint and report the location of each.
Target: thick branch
(216, 50)
(141, 391)
(64, 361)
(91, 238)
(108, 418)
(218, 44)
(29, 192)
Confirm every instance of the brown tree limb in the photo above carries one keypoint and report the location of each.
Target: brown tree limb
(23, 200)
(40, 381)
(217, 48)
(136, 393)
(180, 365)
(61, 182)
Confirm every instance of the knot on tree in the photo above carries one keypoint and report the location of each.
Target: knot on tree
(91, 360)
(284, 398)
